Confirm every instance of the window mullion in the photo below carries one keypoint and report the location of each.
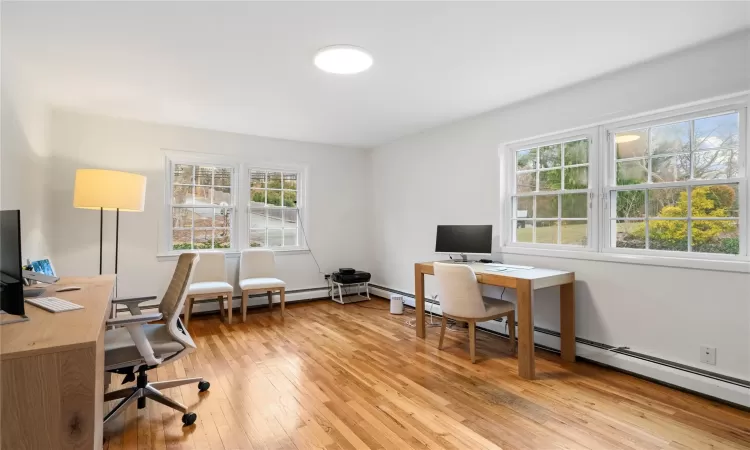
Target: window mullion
(689, 219)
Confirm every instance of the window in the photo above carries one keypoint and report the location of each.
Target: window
(202, 206)
(676, 185)
(551, 203)
(273, 213)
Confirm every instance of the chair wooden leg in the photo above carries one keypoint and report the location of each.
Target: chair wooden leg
(229, 308)
(442, 332)
(282, 300)
(221, 306)
(473, 341)
(512, 330)
(270, 299)
(188, 310)
(244, 306)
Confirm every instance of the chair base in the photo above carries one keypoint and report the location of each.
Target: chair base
(144, 390)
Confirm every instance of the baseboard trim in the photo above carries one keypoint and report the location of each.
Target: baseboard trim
(711, 385)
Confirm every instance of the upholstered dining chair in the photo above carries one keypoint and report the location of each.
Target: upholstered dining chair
(258, 274)
(210, 282)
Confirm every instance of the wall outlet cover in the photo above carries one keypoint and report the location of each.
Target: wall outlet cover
(708, 355)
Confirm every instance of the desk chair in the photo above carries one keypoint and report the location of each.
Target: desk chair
(461, 300)
(257, 270)
(210, 282)
(135, 344)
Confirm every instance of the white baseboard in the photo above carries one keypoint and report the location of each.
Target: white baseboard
(687, 380)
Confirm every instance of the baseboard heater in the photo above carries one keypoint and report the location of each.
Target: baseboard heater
(618, 350)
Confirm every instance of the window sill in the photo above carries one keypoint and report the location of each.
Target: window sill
(738, 265)
(232, 254)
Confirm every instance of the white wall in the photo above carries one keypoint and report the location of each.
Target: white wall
(337, 193)
(450, 175)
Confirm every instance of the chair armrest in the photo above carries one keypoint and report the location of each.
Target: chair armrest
(134, 320)
(132, 303)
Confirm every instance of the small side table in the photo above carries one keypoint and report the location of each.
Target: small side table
(359, 297)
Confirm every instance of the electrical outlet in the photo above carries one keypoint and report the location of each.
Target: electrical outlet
(327, 276)
(708, 355)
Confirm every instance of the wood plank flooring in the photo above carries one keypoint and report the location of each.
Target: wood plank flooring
(354, 377)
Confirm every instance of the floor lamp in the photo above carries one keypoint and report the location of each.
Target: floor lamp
(109, 190)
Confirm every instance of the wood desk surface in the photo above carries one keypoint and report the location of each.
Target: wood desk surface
(541, 278)
(48, 332)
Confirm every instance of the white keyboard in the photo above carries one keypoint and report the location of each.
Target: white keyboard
(507, 266)
(53, 304)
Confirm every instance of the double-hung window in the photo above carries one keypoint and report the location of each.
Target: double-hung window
(273, 214)
(676, 185)
(551, 196)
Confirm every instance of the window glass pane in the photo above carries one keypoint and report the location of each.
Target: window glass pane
(546, 231)
(668, 202)
(526, 159)
(257, 197)
(222, 217)
(257, 238)
(720, 200)
(717, 132)
(524, 207)
(221, 196)
(524, 230)
(203, 218)
(182, 195)
(715, 164)
(577, 178)
(290, 237)
(222, 176)
(630, 234)
(274, 180)
(275, 238)
(204, 175)
(183, 174)
(632, 172)
(290, 181)
(549, 180)
(257, 179)
(203, 238)
(182, 239)
(546, 206)
(629, 203)
(574, 232)
(667, 235)
(222, 238)
(290, 218)
(290, 199)
(631, 144)
(258, 218)
(716, 236)
(274, 197)
(670, 168)
(671, 138)
(575, 206)
(550, 156)
(526, 182)
(576, 152)
(182, 218)
(202, 195)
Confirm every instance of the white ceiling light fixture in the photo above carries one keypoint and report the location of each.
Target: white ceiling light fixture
(343, 59)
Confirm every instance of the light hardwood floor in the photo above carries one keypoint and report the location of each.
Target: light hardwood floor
(354, 377)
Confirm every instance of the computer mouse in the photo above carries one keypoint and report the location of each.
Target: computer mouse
(68, 288)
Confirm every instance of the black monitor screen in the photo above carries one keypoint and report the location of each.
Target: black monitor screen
(474, 239)
(11, 275)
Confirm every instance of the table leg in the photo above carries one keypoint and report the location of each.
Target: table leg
(419, 300)
(525, 299)
(568, 322)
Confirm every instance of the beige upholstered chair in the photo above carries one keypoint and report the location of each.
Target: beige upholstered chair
(257, 271)
(461, 299)
(210, 281)
(135, 344)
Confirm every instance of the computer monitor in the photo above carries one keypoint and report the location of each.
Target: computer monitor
(11, 270)
(464, 239)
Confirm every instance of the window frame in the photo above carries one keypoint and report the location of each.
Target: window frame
(509, 221)
(300, 172)
(608, 132)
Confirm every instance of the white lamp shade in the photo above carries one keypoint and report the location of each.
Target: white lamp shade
(109, 189)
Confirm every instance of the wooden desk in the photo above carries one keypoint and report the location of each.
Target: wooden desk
(524, 282)
(52, 371)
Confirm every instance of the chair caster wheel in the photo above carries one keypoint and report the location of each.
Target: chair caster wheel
(203, 386)
(189, 419)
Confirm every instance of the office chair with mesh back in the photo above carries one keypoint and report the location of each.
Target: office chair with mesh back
(136, 345)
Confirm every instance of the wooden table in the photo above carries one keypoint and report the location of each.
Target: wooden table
(525, 282)
(52, 371)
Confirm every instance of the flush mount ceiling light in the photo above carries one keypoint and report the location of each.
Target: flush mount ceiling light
(620, 139)
(343, 59)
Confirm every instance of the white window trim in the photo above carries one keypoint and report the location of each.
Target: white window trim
(241, 178)
(701, 261)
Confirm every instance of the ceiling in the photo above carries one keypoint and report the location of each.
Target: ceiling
(247, 67)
